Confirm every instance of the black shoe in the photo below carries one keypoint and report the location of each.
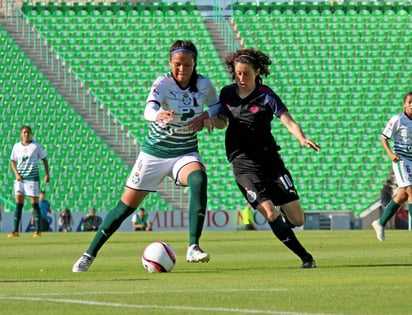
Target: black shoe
(308, 262)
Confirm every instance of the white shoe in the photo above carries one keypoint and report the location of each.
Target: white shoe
(380, 233)
(83, 263)
(195, 254)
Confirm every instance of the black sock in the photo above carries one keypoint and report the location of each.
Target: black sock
(36, 216)
(17, 216)
(287, 237)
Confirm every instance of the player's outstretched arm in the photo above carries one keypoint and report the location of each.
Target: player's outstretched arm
(297, 132)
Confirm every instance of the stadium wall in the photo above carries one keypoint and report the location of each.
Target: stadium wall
(216, 220)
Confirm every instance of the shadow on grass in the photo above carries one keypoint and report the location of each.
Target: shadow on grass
(367, 265)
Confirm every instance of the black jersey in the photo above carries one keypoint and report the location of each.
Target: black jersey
(249, 129)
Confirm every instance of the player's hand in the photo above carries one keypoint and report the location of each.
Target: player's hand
(208, 124)
(220, 122)
(164, 117)
(197, 124)
(310, 144)
(395, 158)
(46, 178)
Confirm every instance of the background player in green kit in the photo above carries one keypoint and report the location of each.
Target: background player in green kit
(399, 128)
(175, 106)
(25, 158)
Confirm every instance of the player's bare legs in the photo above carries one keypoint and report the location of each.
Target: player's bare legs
(294, 212)
(132, 197)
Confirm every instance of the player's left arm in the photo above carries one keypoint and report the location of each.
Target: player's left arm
(218, 121)
(287, 120)
(209, 118)
(46, 169)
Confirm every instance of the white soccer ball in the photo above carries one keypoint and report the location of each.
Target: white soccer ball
(158, 257)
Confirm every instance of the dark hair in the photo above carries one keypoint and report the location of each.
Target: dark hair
(187, 46)
(256, 58)
(406, 96)
(26, 127)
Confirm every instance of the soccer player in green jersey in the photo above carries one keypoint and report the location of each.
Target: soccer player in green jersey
(399, 128)
(25, 158)
(175, 106)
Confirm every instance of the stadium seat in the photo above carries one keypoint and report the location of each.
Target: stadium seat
(349, 46)
(319, 51)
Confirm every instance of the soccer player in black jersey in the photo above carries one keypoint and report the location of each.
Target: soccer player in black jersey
(253, 152)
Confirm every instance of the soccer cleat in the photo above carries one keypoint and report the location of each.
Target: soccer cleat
(14, 234)
(308, 262)
(380, 233)
(83, 263)
(36, 234)
(195, 254)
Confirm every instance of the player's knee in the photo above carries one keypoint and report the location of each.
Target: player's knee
(272, 215)
(197, 180)
(299, 219)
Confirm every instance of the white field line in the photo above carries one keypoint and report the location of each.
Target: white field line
(157, 291)
(160, 307)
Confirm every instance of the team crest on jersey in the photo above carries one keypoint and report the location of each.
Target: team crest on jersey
(254, 109)
(251, 196)
(186, 99)
(136, 178)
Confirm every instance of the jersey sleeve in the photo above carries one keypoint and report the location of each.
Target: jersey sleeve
(223, 111)
(277, 104)
(13, 155)
(391, 127)
(212, 101)
(154, 100)
(212, 97)
(42, 153)
(156, 93)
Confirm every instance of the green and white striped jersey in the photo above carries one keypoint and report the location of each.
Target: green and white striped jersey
(175, 139)
(399, 128)
(27, 158)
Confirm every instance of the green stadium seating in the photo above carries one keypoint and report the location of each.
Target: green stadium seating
(99, 42)
(334, 65)
(28, 98)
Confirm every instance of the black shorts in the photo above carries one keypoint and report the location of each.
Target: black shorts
(264, 178)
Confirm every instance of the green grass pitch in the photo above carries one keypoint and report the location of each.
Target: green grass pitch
(250, 272)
